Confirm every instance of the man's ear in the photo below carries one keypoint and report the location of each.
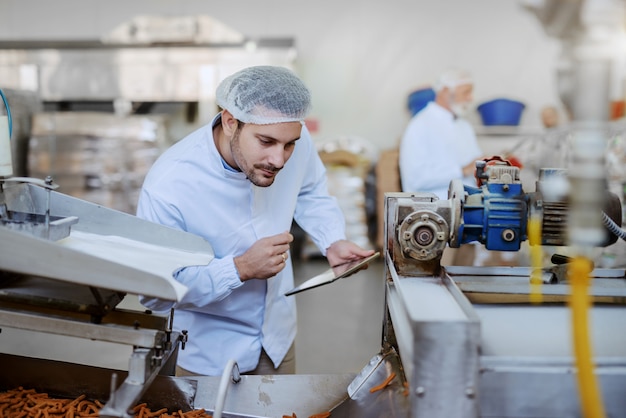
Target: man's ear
(229, 123)
(443, 97)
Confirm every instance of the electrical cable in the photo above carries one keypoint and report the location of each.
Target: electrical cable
(613, 227)
(6, 105)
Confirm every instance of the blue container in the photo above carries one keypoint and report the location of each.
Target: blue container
(419, 99)
(501, 112)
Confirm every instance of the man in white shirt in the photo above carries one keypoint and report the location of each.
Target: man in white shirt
(239, 182)
(438, 145)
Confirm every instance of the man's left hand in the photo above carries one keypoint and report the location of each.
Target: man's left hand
(343, 251)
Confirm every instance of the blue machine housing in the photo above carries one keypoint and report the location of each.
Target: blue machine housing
(495, 215)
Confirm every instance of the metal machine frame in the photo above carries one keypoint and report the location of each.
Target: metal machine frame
(55, 289)
(441, 339)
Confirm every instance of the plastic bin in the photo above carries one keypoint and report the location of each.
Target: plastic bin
(501, 112)
(419, 99)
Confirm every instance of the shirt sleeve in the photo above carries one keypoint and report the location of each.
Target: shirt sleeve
(317, 212)
(205, 284)
(425, 164)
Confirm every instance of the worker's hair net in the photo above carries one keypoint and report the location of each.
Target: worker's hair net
(453, 78)
(263, 95)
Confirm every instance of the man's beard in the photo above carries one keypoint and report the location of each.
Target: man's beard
(252, 175)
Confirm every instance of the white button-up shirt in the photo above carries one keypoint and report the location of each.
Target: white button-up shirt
(190, 188)
(434, 149)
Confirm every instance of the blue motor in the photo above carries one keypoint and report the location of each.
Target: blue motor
(496, 213)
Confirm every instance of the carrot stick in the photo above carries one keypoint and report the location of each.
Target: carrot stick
(384, 384)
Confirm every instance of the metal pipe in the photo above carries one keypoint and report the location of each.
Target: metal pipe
(231, 372)
(112, 399)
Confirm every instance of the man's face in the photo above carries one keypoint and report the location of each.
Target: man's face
(261, 151)
(460, 99)
(463, 93)
(549, 117)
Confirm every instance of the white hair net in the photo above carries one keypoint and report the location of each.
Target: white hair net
(264, 95)
(453, 78)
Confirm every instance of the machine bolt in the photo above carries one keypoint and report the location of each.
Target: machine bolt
(470, 393)
(420, 391)
(183, 339)
(508, 235)
(157, 358)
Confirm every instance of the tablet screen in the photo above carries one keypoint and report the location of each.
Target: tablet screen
(345, 269)
(337, 272)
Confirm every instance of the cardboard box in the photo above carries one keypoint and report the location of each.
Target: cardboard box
(387, 180)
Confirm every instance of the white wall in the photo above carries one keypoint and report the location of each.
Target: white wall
(360, 58)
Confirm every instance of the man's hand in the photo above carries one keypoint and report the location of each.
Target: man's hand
(343, 251)
(265, 258)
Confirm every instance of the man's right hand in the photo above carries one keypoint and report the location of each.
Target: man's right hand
(265, 258)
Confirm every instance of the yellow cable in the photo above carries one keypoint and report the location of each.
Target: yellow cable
(536, 258)
(590, 397)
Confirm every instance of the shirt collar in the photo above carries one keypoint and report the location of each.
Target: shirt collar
(216, 120)
(442, 111)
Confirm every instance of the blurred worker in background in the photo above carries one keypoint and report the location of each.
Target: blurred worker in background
(239, 182)
(438, 146)
(549, 117)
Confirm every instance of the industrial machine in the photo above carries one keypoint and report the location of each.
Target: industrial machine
(66, 264)
(471, 340)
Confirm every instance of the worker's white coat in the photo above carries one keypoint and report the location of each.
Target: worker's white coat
(434, 149)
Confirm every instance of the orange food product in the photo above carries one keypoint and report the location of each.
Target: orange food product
(406, 388)
(26, 403)
(384, 384)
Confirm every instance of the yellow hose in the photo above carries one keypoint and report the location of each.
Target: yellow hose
(590, 396)
(536, 258)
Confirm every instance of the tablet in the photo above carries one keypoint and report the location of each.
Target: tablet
(334, 273)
